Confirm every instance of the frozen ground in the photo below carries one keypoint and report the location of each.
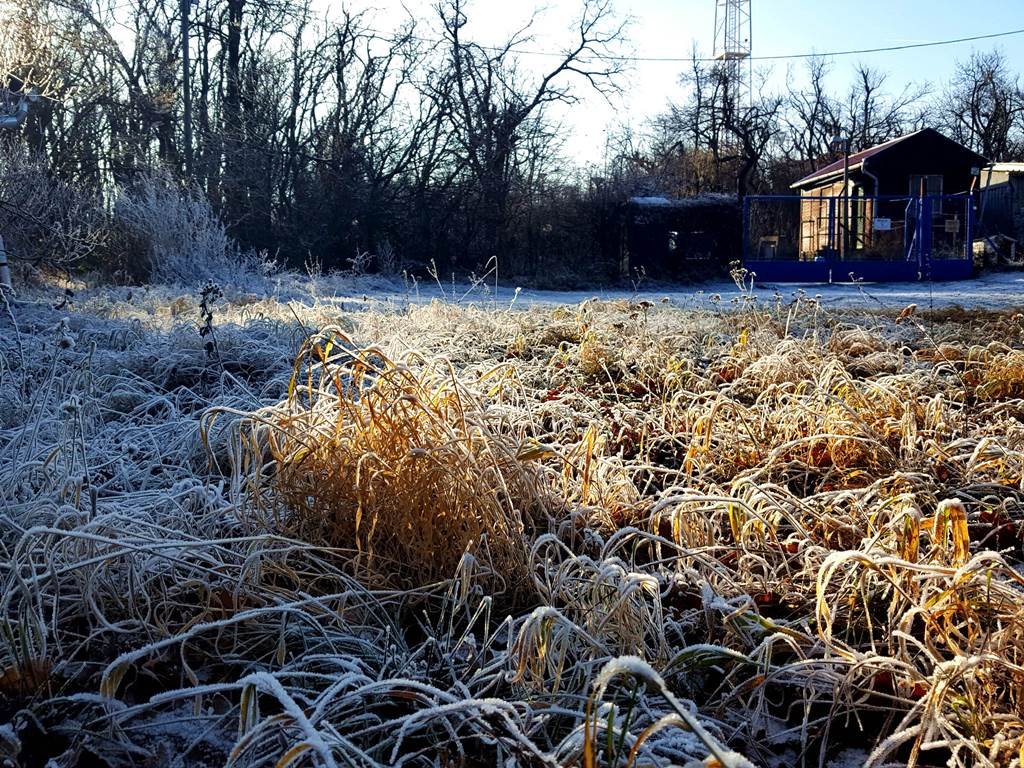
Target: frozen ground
(348, 293)
(144, 611)
(996, 290)
(990, 291)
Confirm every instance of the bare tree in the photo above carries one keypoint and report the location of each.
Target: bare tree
(754, 128)
(873, 115)
(811, 117)
(718, 142)
(983, 107)
(368, 129)
(493, 109)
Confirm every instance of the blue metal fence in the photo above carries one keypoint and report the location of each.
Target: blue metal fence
(886, 238)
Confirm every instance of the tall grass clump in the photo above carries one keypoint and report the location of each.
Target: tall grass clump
(398, 464)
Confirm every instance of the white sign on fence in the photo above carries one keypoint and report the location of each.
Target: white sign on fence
(883, 225)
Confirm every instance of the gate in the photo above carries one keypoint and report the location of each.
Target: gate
(791, 238)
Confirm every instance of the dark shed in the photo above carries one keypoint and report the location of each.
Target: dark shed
(679, 237)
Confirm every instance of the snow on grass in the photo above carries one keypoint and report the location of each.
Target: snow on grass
(713, 525)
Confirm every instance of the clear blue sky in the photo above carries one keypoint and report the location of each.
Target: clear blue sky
(672, 27)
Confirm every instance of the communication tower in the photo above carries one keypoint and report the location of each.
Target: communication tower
(733, 44)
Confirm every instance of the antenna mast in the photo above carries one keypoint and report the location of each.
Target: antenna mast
(734, 31)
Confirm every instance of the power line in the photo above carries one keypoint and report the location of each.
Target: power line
(775, 57)
(673, 59)
(907, 47)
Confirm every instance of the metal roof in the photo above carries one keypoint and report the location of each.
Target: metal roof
(705, 199)
(856, 161)
(1005, 168)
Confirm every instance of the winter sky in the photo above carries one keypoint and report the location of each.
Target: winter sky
(671, 28)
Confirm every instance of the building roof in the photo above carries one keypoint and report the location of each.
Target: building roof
(1005, 167)
(706, 199)
(857, 159)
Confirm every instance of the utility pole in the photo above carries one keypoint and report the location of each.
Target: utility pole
(842, 144)
(186, 86)
(846, 198)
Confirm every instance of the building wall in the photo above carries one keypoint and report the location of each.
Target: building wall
(1003, 205)
(1017, 185)
(928, 154)
(814, 220)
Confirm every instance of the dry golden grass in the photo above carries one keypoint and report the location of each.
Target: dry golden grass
(399, 464)
(802, 481)
(537, 538)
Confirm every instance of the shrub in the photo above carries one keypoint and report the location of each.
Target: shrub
(46, 221)
(178, 237)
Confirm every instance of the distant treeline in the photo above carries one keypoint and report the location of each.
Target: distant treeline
(334, 143)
